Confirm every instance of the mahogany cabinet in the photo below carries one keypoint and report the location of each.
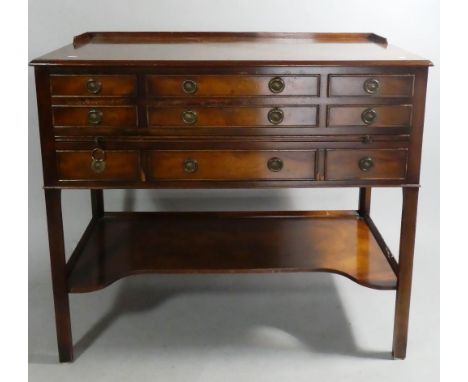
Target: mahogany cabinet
(128, 110)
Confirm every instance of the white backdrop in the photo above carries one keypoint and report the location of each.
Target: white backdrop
(410, 24)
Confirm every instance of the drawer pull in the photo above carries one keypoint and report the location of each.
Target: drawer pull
(190, 166)
(189, 117)
(368, 116)
(93, 86)
(371, 86)
(365, 164)
(98, 160)
(189, 87)
(366, 139)
(95, 116)
(275, 116)
(276, 85)
(275, 164)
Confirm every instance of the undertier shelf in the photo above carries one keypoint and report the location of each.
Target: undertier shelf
(120, 244)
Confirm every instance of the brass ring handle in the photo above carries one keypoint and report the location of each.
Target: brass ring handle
(93, 86)
(368, 116)
(371, 86)
(189, 86)
(276, 85)
(190, 166)
(365, 164)
(275, 164)
(275, 116)
(189, 117)
(95, 116)
(98, 160)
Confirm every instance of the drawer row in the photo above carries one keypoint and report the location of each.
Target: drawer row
(234, 116)
(375, 85)
(231, 165)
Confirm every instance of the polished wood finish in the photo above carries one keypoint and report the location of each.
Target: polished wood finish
(233, 116)
(232, 165)
(97, 203)
(59, 276)
(232, 86)
(110, 85)
(344, 164)
(129, 243)
(388, 85)
(126, 110)
(231, 37)
(405, 271)
(387, 116)
(119, 166)
(365, 194)
(119, 116)
(225, 49)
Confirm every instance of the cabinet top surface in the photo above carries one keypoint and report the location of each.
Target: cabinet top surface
(205, 48)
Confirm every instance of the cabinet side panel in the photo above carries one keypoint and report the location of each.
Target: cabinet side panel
(45, 125)
(415, 145)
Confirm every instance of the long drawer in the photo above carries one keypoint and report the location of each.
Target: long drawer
(234, 165)
(232, 85)
(338, 164)
(233, 116)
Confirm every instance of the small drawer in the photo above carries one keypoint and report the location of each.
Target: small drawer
(348, 164)
(93, 86)
(370, 115)
(110, 116)
(371, 85)
(98, 165)
(232, 165)
(233, 116)
(232, 85)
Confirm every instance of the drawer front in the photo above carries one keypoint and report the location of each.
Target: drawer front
(370, 115)
(93, 86)
(233, 116)
(232, 85)
(371, 86)
(95, 116)
(232, 165)
(365, 164)
(118, 165)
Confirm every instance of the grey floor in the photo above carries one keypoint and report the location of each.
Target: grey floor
(281, 327)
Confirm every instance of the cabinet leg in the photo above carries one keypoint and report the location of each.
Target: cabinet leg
(364, 200)
(405, 271)
(59, 278)
(97, 203)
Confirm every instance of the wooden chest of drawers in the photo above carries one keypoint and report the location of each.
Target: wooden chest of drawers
(230, 110)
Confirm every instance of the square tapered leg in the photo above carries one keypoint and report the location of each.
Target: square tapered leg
(405, 271)
(59, 278)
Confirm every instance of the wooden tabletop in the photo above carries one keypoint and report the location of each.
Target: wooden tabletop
(203, 48)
